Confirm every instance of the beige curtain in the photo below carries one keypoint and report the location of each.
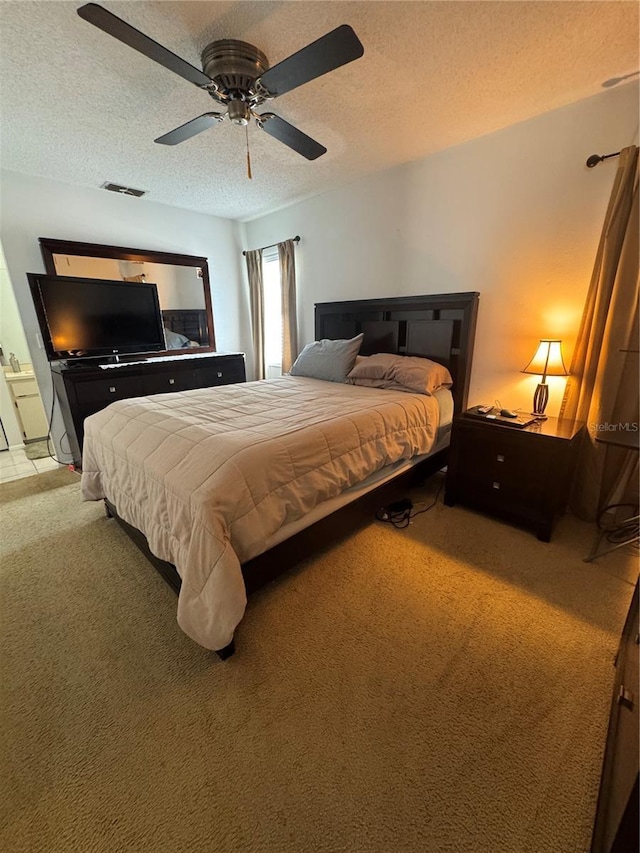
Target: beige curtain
(602, 389)
(256, 303)
(287, 259)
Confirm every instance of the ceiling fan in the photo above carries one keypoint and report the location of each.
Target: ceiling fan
(237, 75)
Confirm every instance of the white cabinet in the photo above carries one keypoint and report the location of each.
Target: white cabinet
(28, 407)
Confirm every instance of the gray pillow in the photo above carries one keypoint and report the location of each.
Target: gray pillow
(174, 340)
(403, 372)
(329, 360)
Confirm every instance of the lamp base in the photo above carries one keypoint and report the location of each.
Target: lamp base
(540, 400)
(539, 416)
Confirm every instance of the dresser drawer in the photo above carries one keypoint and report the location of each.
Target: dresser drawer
(224, 373)
(99, 393)
(162, 383)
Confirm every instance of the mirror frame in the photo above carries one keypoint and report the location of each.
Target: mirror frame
(50, 247)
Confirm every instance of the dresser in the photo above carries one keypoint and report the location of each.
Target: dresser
(616, 824)
(82, 391)
(520, 475)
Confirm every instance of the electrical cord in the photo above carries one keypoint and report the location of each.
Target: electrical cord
(433, 502)
(393, 515)
(623, 532)
(49, 439)
(401, 514)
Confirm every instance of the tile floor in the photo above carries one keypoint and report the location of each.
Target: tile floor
(14, 465)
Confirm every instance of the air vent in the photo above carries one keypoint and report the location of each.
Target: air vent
(117, 188)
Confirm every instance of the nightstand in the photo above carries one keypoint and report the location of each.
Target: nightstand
(521, 475)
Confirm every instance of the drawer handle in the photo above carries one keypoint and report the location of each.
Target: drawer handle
(112, 388)
(496, 485)
(172, 382)
(219, 374)
(500, 457)
(625, 697)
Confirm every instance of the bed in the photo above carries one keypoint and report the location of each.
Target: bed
(232, 485)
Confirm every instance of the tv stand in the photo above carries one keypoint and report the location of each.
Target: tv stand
(83, 389)
(81, 363)
(95, 361)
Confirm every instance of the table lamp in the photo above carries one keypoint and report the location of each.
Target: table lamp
(547, 361)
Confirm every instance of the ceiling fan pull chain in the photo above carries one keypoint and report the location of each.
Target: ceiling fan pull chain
(249, 175)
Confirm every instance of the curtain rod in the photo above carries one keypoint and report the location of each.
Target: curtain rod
(295, 239)
(598, 158)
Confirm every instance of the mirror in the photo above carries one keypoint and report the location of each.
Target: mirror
(182, 282)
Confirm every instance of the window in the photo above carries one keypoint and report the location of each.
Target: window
(272, 313)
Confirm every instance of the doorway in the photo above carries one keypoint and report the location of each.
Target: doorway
(24, 422)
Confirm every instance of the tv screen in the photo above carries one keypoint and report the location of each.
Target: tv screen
(87, 317)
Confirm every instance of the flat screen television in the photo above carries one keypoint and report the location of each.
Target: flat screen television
(90, 317)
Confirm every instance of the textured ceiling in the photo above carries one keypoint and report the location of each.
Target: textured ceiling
(79, 106)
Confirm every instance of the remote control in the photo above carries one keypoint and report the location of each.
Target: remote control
(484, 410)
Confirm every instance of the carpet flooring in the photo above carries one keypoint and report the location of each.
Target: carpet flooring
(440, 689)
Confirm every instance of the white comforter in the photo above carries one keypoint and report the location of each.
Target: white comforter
(210, 475)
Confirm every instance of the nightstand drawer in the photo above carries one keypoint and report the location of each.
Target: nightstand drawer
(513, 496)
(500, 458)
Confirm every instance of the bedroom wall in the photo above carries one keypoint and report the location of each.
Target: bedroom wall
(515, 215)
(33, 207)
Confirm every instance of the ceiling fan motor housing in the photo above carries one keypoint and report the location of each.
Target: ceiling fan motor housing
(234, 66)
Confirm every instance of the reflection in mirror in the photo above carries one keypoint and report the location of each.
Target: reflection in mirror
(180, 292)
(182, 282)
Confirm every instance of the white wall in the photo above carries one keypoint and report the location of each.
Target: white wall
(515, 215)
(33, 207)
(178, 287)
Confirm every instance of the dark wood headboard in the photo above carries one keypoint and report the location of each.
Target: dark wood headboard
(441, 327)
(190, 322)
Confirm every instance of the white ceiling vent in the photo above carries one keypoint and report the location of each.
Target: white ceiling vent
(117, 188)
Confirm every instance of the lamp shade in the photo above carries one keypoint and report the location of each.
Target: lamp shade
(547, 360)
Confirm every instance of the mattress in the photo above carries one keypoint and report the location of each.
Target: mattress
(211, 475)
(444, 399)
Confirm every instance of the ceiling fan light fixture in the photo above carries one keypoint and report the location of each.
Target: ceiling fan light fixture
(239, 113)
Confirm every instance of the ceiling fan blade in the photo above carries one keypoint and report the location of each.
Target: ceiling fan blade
(127, 34)
(191, 128)
(332, 50)
(291, 136)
